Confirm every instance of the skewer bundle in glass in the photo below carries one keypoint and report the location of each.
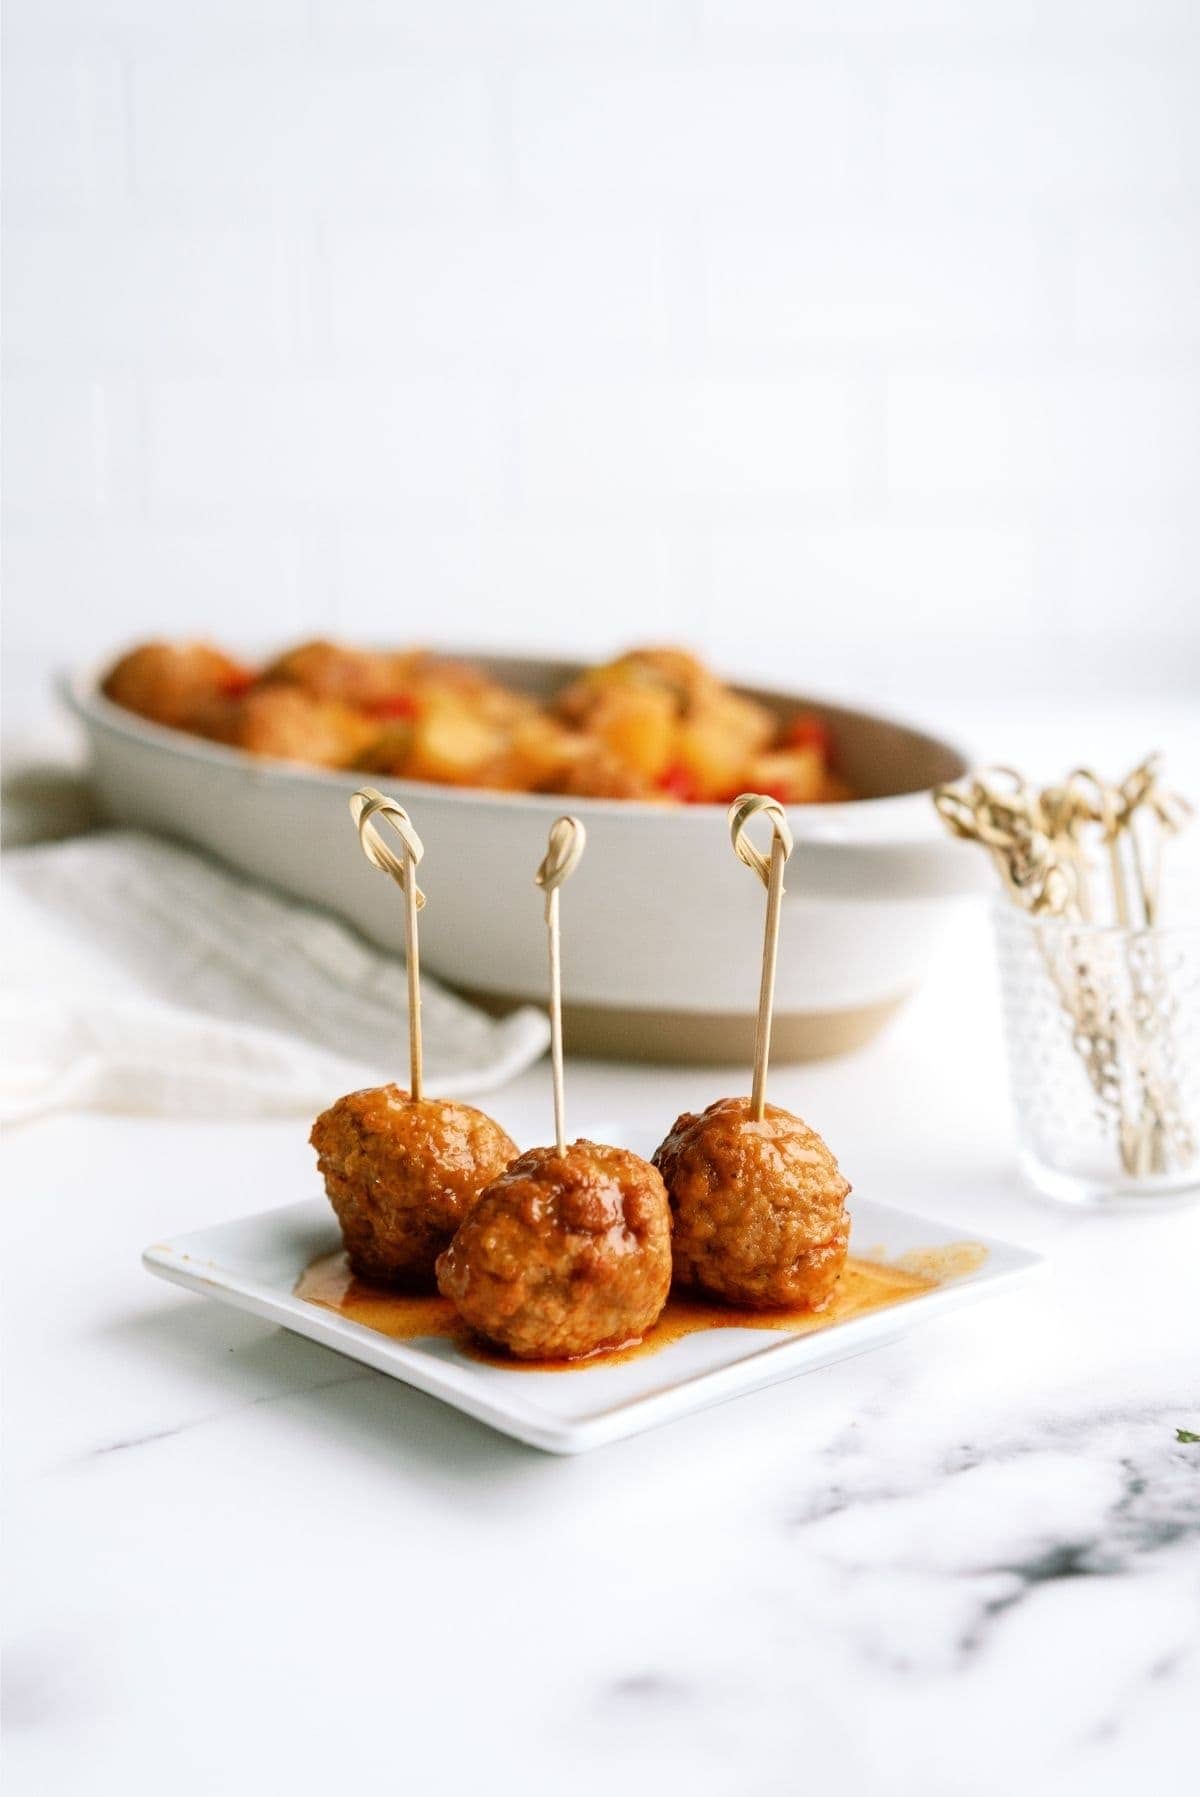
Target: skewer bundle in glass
(1084, 860)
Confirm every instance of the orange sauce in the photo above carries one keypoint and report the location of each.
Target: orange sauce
(865, 1285)
(953, 1260)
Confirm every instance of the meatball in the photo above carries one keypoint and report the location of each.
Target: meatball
(597, 773)
(362, 677)
(288, 724)
(171, 682)
(435, 679)
(564, 1253)
(392, 684)
(402, 1173)
(673, 671)
(759, 1207)
(538, 756)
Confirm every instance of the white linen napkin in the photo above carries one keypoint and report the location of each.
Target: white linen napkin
(140, 977)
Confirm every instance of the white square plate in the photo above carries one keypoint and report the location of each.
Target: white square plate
(255, 1263)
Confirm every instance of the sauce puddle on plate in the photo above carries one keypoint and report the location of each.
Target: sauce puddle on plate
(866, 1284)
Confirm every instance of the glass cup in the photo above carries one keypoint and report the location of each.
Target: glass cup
(1102, 1028)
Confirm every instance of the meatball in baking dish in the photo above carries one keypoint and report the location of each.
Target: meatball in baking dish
(564, 1254)
(662, 726)
(758, 1207)
(402, 1174)
(653, 726)
(681, 676)
(170, 683)
(288, 724)
(368, 678)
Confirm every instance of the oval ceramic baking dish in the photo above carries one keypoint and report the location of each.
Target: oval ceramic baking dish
(662, 925)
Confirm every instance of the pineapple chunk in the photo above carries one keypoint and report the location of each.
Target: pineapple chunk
(538, 757)
(450, 743)
(712, 759)
(637, 725)
(794, 776)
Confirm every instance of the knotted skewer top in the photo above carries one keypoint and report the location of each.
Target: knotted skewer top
(752, 804)
(1009, 820)
(366, 805)
(1038, 838)
(564, 850)
(769, 869)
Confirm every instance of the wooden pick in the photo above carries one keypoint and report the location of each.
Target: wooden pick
(563, 854)
(770, 871)
(366, 806)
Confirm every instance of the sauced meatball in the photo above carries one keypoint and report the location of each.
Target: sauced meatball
(596, 773)
(170, 682)
(402, 1174)
(759, 1207)
(564, 1253)
(674, 671)
(441, 679)
(364, 677)
(392, 683)
(286, 724)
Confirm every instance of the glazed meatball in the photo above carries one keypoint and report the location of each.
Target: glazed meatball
(171, 682)
(673, 671)
(362, 677)
(564, 1253)
(435, 679)
(402, 1173)
(285, 723)
(759, 1207)
(596, 773)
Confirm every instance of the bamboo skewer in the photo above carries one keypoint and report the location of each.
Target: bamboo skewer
(563, 854)
(366, 806)
(770, 871)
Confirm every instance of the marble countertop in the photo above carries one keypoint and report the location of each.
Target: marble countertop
(963, 1563)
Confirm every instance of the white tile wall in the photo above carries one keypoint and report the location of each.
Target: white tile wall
(148, 295)
(64, 126)
(862, 342)
(1068, 435)
(239, 447)
(1066, 129)
(303, 129)
(576, 292)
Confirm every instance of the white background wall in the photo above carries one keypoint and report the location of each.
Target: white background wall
(860, 337)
